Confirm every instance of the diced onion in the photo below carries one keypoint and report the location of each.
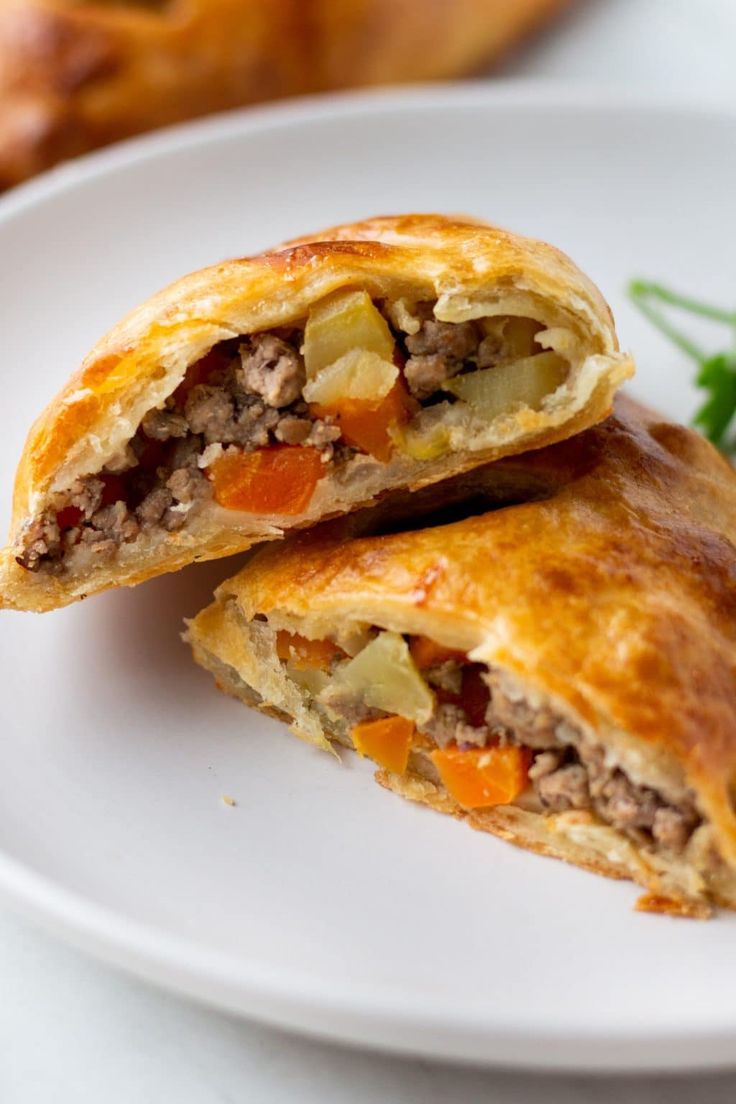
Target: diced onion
(384, 676)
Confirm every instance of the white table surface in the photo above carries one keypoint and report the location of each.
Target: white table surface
(74, 1032)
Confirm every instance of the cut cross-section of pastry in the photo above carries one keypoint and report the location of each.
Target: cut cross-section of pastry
(560, 671)
(268, 393)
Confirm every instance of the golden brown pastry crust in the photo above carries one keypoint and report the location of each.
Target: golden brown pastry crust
(74, 76)
(461, 263)
(614, 599)
(366, 42)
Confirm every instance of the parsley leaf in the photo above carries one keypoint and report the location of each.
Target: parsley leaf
(716, 373)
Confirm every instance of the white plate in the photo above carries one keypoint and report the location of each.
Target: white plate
(321, 902)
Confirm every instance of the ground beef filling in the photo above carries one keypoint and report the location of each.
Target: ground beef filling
(474, 708)
(439, 351)
(245, 394)
(573, 775)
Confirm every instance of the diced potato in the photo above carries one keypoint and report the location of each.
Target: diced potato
(525, 382)
(343, 322)
(384, 676)
(356, 375)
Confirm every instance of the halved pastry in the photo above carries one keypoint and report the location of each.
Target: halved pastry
(560, 671)
(267, 393)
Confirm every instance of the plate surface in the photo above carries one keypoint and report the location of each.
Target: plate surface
(321, 902)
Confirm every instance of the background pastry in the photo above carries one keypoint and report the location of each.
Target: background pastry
(559, 671)
(75, 75)
(270, 392)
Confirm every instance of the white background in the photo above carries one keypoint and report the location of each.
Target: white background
(73, 1031)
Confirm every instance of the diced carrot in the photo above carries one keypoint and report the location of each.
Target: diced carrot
(426, 653)
(365, 425)
(279, 480)
(482, 777)
(304, 654)
(386, 741)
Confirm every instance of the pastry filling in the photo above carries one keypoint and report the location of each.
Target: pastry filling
(258, 422)
(407, 702)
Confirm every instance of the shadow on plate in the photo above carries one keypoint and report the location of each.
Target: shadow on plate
(139, 629)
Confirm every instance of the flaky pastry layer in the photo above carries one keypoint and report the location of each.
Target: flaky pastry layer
(470, 270)
(609, 596)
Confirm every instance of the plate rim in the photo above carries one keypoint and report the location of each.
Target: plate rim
(301, 1001)
(543, 95)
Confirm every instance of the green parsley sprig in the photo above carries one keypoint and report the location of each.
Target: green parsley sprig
(716, 372)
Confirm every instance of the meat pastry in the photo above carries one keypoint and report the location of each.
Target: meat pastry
(76, 74)
(561, 671)
(268, 393)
